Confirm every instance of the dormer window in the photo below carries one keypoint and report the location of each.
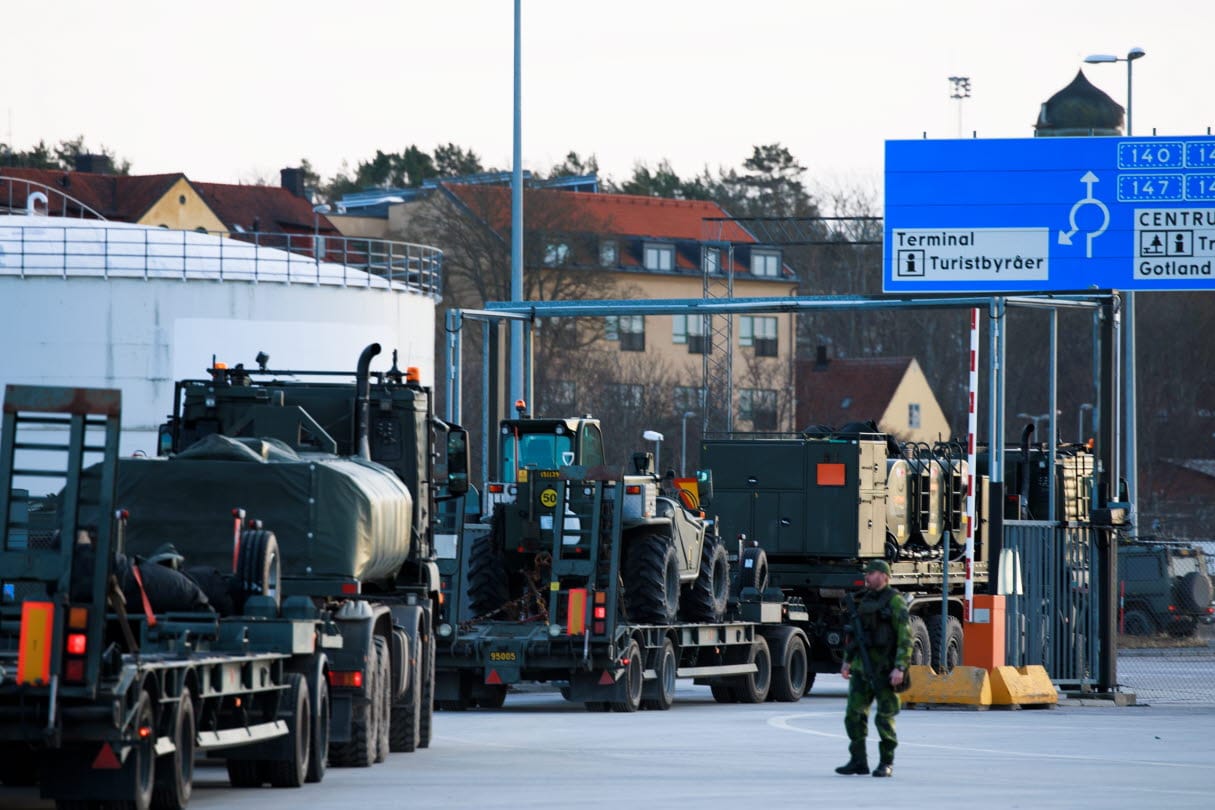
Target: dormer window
(609, 253)
(712, 261)
(765, 263)
(659, 257)
(556, 254)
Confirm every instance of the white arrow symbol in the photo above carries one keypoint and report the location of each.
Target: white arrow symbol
(1066, 238)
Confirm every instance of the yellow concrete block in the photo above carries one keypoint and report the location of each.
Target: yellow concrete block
(1022, 686)
(964, 686)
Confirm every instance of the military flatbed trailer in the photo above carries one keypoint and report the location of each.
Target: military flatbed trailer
(573, 633)
(107, 703)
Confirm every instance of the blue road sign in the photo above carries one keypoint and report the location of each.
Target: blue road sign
(1050, 215)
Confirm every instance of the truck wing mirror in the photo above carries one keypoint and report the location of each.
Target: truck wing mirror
(457, 461)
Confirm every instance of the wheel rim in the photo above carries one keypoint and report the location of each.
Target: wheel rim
(797, 667)
(668, 672)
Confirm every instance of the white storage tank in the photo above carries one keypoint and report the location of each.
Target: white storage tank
(101, 304)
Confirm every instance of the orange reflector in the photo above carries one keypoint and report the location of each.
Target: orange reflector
(493, 677)
(145, 732)
(577, 611)
(830, 475)
(632, 489)
(78, 618)
(353, 679)
(77, 643)
(497, 489)
(600, 612)
(350, 587)
(442, 597)
(606, 678)
(106, 759)
(73, 670)
(600, 597)
(34, 650)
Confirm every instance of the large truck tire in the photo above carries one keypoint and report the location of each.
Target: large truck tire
(632, 681)
(293, 772)
(258, 565)
(383, 699)
(753, 687)
(953, 644)
(426, 722)
(406, 719)
(175, 771)
(789, 678)
(921, 642)
(723, 691)
(142, 757)
(488, 581)
(318, 762)
(753, 569)
(651, 579)
(360, 750)
(706, 600)
(1136, 622)
(659, 694)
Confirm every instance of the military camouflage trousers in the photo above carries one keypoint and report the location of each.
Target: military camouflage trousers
(856, 717)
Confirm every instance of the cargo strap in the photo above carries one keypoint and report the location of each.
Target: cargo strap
(120, 607)
(143, 595)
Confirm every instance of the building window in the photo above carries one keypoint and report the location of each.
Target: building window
(679, 329)
(609, 255)
(688, 398)
(913, 415)
(712, 261)
(698, 341)
(625, 395)
(629, 330)
(765, 263)
(758, 406)
(758, 332)
(556, 254)
(659, 257)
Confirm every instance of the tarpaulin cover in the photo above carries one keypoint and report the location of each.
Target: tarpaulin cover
(333, 516)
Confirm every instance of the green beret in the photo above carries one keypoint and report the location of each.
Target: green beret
(878, 565)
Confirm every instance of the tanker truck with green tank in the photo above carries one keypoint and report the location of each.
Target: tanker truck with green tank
(115, 671)
(347, 467)
(610, 584)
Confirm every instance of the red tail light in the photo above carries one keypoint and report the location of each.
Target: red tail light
(77, 643)
(632, 489)
(600, 612)
(353, 679)
(73, 670)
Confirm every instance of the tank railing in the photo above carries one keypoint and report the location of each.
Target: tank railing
(122, 251)
(21, 196)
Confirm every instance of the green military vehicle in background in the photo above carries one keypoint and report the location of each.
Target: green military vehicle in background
(1164, 587)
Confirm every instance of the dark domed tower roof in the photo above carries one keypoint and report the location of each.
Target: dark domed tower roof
(1080, 109)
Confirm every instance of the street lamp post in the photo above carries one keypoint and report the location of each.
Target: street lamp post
(683, 449)
(1130, 419)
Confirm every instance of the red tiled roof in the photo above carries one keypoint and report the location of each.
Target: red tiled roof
(273, 208)
(618, 214)
(115, 197)
(866, 384)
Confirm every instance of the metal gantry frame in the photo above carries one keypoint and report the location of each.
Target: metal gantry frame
(1104, 305)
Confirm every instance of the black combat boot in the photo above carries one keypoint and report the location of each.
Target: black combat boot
(884, 769)
(858, 763)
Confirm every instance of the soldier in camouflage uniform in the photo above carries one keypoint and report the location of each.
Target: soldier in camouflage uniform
(886, 622)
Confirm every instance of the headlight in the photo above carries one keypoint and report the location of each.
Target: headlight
(555, 630)
(444, 630)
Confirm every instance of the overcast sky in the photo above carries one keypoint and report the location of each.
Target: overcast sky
(233, 90)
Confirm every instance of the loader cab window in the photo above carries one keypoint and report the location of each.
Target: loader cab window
(592, 445)
(545, 451)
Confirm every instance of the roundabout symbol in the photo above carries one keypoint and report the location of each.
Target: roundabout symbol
(1065, 238)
